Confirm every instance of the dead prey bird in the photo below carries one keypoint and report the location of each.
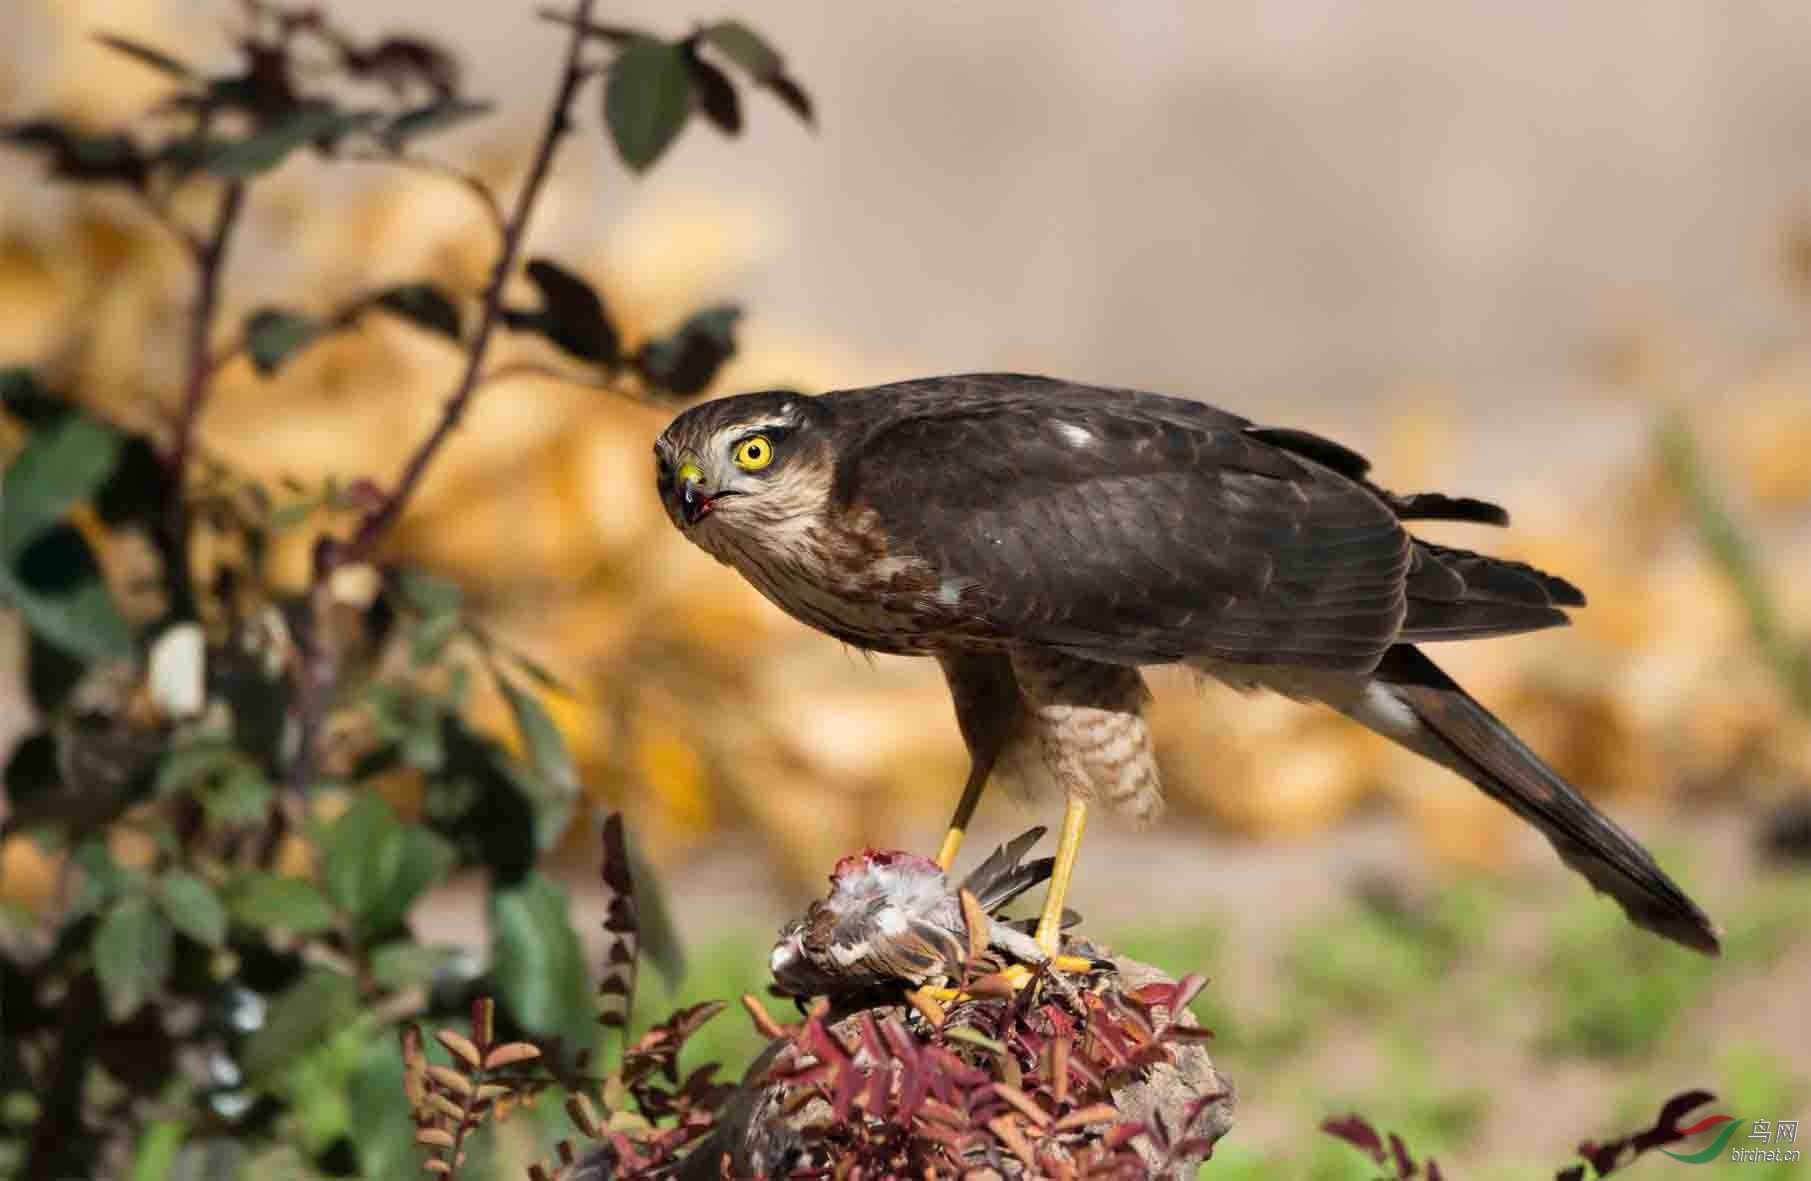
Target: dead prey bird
(891, 919)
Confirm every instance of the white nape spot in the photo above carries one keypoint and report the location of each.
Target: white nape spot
(844, 955)
(1386, 712)
(892, 922)
(949, 591)
(1075, 435)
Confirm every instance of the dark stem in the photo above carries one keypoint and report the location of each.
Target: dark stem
(210, 259)
(316, 669)
(61, 1144)
(378, 521)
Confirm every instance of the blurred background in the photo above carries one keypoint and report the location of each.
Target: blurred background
(1497, 248)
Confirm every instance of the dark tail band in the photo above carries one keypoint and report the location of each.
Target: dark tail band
(1457, 731)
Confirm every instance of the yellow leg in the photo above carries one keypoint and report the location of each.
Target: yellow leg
(965, 811)
(1050, 922)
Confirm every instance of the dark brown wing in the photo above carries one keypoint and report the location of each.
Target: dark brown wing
(1127, 527)
(1455, 594)
(1133, 528)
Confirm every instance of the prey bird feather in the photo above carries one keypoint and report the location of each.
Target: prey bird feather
(1045, 540)
(892, 918)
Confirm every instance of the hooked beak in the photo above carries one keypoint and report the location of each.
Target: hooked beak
(694, 504)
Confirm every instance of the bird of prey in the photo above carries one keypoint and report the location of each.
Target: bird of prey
(891, 917)
(1044, 540)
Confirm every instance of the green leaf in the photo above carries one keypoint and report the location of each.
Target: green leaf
(79, 157)
(430, 637)
(299, 1021)
(749, 50)
(646, 100)
(428, 593)
(404, 963)
(195, 762)
(716, 95)
(412, 723)
(103, 878)
(265, 149)
(376, 867)
(155, 1154)
(555, 772)
(571, 315)
(974, 1037)
(272, 334)
(192, 907)
(538, 964)
(56, 582)
(688, 360)
(228, 782)
(131, 956)
(285, 517)
(746, 48)
(425, 305)
(381, 1126)
(242, 796)
(436, 116)
(157, 59)
(266, 900)
(60, 465)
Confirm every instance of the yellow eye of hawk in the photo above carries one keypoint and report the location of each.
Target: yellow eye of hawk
(753, 454)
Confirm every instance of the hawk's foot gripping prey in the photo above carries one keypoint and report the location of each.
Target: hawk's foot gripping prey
(892, 919)
(1045, 540)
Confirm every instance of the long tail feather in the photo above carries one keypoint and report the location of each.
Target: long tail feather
(1413, 702)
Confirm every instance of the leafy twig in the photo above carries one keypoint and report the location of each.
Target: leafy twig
(371, 530)
(316, 663)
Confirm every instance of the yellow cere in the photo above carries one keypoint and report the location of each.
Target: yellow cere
(755, 453)
(689, 473)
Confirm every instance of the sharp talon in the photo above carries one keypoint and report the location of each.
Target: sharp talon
(1018, 975)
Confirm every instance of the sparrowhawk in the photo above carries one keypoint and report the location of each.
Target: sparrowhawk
(1044, 540)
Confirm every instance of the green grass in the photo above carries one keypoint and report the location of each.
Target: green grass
(1380, 955)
